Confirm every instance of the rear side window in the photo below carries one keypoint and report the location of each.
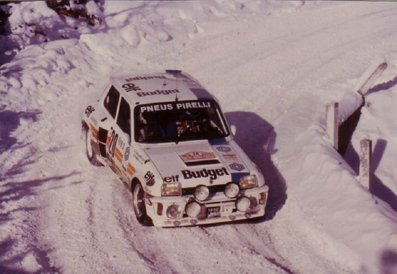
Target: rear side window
(124, 117)
(111, 101)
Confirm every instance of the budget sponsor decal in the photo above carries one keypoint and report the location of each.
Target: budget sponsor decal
(213, 174)
(158, 92)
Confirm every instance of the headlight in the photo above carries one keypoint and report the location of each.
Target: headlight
(171, 189)
(231, 190)
(173, 211)
(249, 181)
(201, 193)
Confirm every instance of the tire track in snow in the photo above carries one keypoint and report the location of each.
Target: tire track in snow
(125, 224)
(180, 250)
(148, 259)
(134, 234)
(106, 230)
(258, 246)
(269, 252)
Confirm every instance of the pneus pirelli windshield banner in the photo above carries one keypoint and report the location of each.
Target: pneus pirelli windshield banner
(180, 121)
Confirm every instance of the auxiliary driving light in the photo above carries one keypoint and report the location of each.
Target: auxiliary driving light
(249, 181)
(231, 190)
(201, 193)
(243, 204)
(193, 209)
(171, 189)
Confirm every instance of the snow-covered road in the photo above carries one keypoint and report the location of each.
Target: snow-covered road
(273, 67)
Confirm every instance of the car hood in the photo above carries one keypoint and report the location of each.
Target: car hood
(198, 164)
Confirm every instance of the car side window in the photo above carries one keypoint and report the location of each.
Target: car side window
(111, 101)
(124, 117)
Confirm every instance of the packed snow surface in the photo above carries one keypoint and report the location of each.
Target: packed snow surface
(273, 65)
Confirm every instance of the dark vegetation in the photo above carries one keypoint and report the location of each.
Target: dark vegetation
(75, 9)
(70, 17)
(4, 14)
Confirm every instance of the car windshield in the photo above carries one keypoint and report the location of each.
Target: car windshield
(179, 121)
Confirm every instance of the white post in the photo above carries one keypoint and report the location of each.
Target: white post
(365, 163)
(331, 123)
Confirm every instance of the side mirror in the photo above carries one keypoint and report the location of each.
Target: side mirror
(233, 129)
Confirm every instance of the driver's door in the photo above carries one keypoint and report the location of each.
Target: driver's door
(107, 120)
(118, 148)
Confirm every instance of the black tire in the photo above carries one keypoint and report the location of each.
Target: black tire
(89, 151)
(138, 203)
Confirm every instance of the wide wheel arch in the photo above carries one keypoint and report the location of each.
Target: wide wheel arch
(89, 150)
(138, 203)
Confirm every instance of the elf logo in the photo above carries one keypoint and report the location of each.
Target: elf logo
(213, 174)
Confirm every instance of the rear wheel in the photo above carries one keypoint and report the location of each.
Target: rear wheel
(91, 155)
(138, 203)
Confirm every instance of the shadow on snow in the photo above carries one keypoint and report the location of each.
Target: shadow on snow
(8, 265)
(257, 137)
(14, 212)
(13, 251)
(9, 122)
(389, 262)
(376, 187)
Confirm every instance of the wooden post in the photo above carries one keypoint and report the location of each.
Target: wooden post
(332, 125)
(365, 162)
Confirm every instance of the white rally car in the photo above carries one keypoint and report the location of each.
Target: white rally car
(166, 138)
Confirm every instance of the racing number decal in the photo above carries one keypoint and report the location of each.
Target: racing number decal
(102, 136)
(114, 146)
(113, 142)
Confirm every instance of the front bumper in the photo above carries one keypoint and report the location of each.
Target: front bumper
(217, 209)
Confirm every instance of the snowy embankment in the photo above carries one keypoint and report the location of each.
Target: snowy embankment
(274, 68)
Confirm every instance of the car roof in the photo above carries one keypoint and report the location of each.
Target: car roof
(169, 86)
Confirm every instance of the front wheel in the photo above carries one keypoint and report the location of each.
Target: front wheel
(91, 155)
(138, 203)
